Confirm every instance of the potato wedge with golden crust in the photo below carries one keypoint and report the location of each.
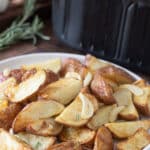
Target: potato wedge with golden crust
(93, 63)
(127, 129)
(45, 127)
(124, 98)
(52, 64)
(103, 140)
(129, 112)
(102, 90)
(51, 77)
(115, 113)
(73, 65)
(10, 82)
(63, 90)
(34, 112)
(142, 102)
(10, 142)
(27, 88)
(72, 114)
(140, 83)
(101, 117)
(8, 114)
(37, 142)
(136, 142)
(81, 135)
(116, 74)
(18, 74)
(66, 146)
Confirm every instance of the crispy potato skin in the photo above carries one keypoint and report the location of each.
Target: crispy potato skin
(64, 90)
(66, 146)
(136, 142)
(71, 116)
(37, 142)
(103, 140)
(17, 74)
(140, 83)
(116, 74)
(51, 77)
(26, 89)
(142, 102)
(102, 90)
(81, 135)
(73, 65)
(10, 142)
(34, 112)
(45, 127)
(93, 63)
(8, 114)
(101, 117)
(126, 129)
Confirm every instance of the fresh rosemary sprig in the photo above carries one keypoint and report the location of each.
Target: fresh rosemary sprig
(20, 29)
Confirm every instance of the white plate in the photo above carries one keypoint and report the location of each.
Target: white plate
(16, 62)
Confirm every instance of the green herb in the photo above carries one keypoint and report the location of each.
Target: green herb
(20, 29)
(77, 117)
(38, 144)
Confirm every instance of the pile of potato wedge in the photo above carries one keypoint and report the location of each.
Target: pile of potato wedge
(66, 104)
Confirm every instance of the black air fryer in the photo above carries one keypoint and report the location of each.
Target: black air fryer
(117, 30)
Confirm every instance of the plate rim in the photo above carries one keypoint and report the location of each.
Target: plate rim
(63, 54)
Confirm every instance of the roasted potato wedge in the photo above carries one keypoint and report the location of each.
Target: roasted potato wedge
(34, 112)
(63, 90)
(127, 129)
(111, 83)
(136, 142)
(11, 142)
(133, 89)
(66, 146)
(78, 112)
(17, 74)
(45, 127)
(140, 83)
(142, 102)
(115, 113)
(129, 112)
(116, 74)
(93, 63)
(52, 64)
(81, 135)
(8, 114)
(102, 90)
(73, 67)
(123, 97)
(101, 117)
(103, 140)
(10, 82)
(36, 142)
(27, 88)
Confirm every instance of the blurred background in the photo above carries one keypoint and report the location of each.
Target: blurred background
(114, 30)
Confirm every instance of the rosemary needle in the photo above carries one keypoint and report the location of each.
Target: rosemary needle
(20, 29)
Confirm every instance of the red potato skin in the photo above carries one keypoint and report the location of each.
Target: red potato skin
(73, 65)
(102, 90)
(116, 74)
